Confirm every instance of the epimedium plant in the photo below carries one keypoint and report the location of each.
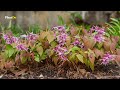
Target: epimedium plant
(63, 44)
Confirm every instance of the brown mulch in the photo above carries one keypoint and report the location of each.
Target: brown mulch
(50, 71)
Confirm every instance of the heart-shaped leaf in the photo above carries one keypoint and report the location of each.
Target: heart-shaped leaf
(50, 36)
(80, 57)
(89, 42)
(118, 51)
(9, 64)
(53, 44)
(73, 31)
(39, 50)
(55, 60)
(37, 58)
(98, 52)
(91, 66)
(107, 44)
(68, 41)
(117, 60)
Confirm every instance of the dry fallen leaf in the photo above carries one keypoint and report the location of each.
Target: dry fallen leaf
(9, 65)
(83, 71)
(17, 73)
(117, 59)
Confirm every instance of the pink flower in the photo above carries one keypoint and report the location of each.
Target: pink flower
(10, 40)
(107, 58)
(99, 38)
(60, 51)
(21, 47)
(15, 39)
(97, 29)
(59, 28)
(32, 36)
(78, 43)
(5, 36)
(62, 38)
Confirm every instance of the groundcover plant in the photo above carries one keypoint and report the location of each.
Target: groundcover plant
(64, 43)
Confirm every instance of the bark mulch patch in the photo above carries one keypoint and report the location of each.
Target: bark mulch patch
(49, 71)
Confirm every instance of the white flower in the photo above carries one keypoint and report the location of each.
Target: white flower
(23, 36)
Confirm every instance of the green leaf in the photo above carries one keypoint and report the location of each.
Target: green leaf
(86, 61)
(55, 60)
(50, 52)
(23, 60)
(115, 20)
(6, 54)
(10, 24)
(90, 51)
(75, 48)
(91, 66)
(53, 44)
(80, 57)
(10, 50)
(44, 56)
(99, 45)
(72, 57)
(37, 58)
(60, 20)
(40, 50)
(82, 53)
(107, 34)
(8, 46)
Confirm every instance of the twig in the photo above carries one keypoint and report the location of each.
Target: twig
(105, 77)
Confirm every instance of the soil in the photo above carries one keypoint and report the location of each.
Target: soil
(50, 71)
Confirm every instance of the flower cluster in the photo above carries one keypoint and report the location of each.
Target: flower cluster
(21, 47)
(107, 58)
(32, 37)
(60, 28)
(100, 32)
(10, 39)
(62, 39)
(78, 43)
(60, 52)
(60, 35)
(99, 38)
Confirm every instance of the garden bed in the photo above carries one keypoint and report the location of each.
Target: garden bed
(61, 52)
